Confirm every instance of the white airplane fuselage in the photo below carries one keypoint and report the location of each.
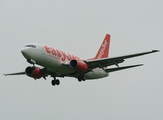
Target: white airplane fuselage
(57, 61)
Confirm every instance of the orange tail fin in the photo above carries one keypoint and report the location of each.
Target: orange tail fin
(103, 51)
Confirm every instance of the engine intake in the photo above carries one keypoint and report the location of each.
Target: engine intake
(79, 65)
(33, 72)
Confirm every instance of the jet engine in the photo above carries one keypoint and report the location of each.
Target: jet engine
(79, 65)
(33, 72)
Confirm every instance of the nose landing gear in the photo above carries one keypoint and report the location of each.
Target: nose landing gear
(31, 61)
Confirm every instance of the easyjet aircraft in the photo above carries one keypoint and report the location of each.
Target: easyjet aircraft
(57, 63)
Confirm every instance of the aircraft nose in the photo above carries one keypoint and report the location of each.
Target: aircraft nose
(25, 52)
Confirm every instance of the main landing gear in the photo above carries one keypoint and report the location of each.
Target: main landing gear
(55, 82)
(81, 78)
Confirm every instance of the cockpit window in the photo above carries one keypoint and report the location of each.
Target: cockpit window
(30, 45)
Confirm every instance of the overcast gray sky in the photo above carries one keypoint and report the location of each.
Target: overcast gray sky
(78, 27)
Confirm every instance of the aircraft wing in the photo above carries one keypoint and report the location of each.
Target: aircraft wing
(113, 61)
(44, 71)
(19, 73)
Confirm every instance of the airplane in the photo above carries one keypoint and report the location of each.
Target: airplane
(56, 63)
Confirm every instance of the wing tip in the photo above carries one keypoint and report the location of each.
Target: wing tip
(4, 74)
(137, 65)
(155, 50)
(140, 65)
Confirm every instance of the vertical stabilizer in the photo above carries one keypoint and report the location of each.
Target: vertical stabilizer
(103, 51)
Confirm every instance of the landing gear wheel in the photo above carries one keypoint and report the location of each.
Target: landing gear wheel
(53, 82)
(81, 78)
(57, 82)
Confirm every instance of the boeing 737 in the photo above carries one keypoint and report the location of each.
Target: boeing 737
(56, 63)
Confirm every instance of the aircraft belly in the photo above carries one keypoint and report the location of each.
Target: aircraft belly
(95, 74)
(66, 70)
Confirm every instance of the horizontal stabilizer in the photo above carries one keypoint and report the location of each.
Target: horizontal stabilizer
(121, 68)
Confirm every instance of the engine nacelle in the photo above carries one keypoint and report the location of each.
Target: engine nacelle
(33, 72)
(79, 65)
